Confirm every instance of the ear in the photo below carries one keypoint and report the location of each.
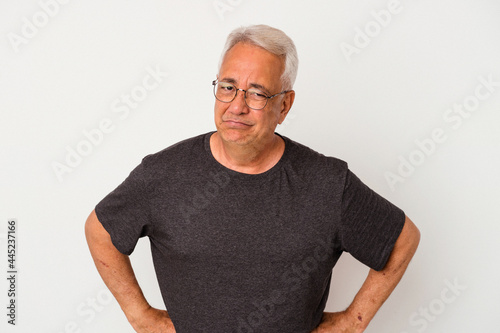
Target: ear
(286, 105)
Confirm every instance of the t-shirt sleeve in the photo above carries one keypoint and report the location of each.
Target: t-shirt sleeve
(370, 224)
(125, 213)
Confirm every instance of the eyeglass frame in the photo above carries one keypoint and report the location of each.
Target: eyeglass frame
(216, 81)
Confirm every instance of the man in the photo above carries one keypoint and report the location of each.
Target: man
(246, 225)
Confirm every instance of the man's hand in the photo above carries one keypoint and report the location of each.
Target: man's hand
(376, 288)
(118, 275)
(152, 321)
(338, 322)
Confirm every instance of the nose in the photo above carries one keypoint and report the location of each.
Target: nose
(238, 105)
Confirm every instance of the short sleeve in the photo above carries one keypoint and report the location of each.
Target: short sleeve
(124, 213)
(370, 225)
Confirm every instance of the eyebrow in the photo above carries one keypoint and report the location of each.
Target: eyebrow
(253, 85)
(228, 80)
(260, 87)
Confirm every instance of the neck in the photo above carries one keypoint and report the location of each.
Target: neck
(250, 159)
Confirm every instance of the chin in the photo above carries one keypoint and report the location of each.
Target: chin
(234, 136)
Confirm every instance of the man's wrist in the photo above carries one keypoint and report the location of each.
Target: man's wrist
(342, 321)
(136, 312)
(357, 319)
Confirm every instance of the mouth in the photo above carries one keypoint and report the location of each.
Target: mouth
(236, 123)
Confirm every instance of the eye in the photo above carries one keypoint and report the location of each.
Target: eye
(256, 94)
(226, 87)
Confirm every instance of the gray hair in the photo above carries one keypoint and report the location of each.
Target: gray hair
(272, 40)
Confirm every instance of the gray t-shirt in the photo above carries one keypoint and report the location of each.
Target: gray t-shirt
(245, 253)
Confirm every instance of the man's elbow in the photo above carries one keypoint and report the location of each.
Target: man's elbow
(407, 243)
(94, 230)
(413, 235)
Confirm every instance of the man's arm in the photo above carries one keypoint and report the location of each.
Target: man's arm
(376, 288)
(118, 275)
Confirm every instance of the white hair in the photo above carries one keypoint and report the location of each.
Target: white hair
(272, 40)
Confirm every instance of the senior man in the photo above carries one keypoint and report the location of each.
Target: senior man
(246, 225)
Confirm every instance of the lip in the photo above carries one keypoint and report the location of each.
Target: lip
(236, 123)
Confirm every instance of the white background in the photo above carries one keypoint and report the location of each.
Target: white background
(367, 108)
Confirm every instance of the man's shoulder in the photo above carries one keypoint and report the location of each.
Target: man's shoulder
(301, 153)
(183, 152)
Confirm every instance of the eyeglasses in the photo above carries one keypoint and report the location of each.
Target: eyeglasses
(254, 98)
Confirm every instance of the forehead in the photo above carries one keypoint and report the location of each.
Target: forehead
(245, 63)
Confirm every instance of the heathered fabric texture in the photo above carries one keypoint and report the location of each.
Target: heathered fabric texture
(246, 253)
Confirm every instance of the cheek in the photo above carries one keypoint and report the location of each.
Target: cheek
(269, 120)
(218, 110)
